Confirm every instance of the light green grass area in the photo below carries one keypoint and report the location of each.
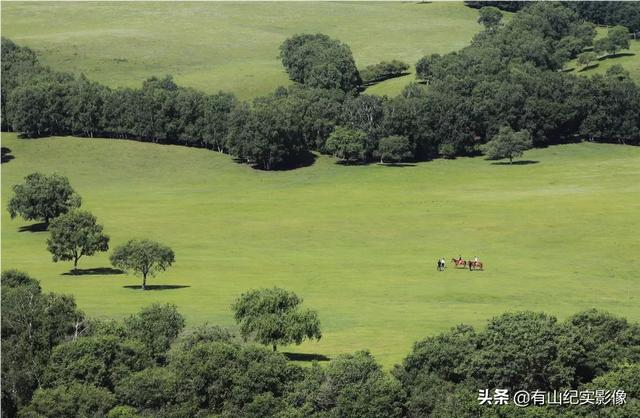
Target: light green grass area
(358, 243)
(628, 58)
(226, 46)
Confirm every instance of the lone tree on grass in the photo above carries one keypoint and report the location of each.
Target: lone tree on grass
(586, 58)
(143, 257)
(42, 197)
(273, 317)
(395, 148)
(76, 234)
(507, 144)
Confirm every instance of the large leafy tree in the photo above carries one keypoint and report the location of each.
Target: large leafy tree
(507, 144)
(490, 17)
(347, 144)
(156, 326)
(143, 257)
(76, 234)
(316, 60)
(395, 148)
(43, 197)
(274, 317)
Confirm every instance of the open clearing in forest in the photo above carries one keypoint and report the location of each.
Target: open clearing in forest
(358, 243)
(227, 46)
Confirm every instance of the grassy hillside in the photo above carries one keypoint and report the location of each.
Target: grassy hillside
(228, 46)
(359, 244)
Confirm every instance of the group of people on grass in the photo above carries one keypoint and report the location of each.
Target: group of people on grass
(459, 262)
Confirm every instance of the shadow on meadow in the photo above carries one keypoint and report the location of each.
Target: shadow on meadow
(519, 162)
(38, 227)
(93, 271)
(6, 155)
(306, 357)
(156, 287)
(397, 165)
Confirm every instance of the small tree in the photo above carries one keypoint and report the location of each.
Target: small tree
(76, 234)
(586, 58)
(43, 197)
(143, 257)
(346, 144)
(395, 148)
(490, 17)
(273, 317)
(507, 144)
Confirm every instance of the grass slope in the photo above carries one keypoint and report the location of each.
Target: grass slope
(359, 244)
(226, 46)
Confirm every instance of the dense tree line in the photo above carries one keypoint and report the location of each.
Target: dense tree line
(512, 75)
(59, 363)
(609, 13)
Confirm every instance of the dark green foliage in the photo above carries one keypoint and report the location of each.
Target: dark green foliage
(609, 13)
(319, 61)
(154, 388)
(101, 361)
(12, 279)
(142, 257)
(383, 71)
(490, 17)
(350, 386)
(74, 235)
(156, 326)
(507, 144)
(509, 6)
(33, 323)
(268, 134)
(525, 350)
(274, 317)
(395, 148)
(43, 197)
(614, 115)
(76, 400)
(607, 340)
(207, 334)
(224, 376)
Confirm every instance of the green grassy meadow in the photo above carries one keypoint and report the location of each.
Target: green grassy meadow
(227, 46)
(358, 243)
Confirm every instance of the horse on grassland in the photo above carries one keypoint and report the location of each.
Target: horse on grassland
(476, 265)
(459, 262)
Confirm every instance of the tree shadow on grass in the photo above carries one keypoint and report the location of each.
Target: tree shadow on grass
(399, 165)
(6, 155)
(39, 227)
(519, 162)
(588, 67)
(306, 357)
(617, 55)
(305, 160)
(93, 271)
(156, 287)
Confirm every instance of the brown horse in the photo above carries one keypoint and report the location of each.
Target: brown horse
(476, 265)
(459, 263)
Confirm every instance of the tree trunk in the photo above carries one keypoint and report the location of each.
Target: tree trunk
(274, 348)
(510, 160)
(144, 282)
